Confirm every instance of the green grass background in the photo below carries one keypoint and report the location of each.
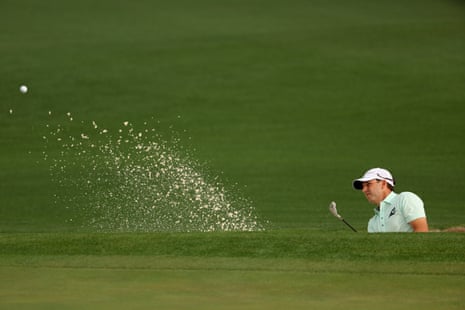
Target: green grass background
(289, 100)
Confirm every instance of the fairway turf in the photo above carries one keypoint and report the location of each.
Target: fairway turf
(297, 269)
(284, 102)
(121, 288)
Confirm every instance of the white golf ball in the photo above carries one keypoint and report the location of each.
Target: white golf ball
(23, 89)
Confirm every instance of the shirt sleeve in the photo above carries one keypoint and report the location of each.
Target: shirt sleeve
(412, 207)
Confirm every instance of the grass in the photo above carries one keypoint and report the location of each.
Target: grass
(297, 269)
(285, 102)
(290, 102)
(226, 289)
(270, 244)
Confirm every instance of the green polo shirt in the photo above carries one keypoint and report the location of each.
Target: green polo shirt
(395, 213)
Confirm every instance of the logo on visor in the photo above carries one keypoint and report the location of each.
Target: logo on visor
(386, 178)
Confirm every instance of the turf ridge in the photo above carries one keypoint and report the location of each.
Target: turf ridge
(431, 247)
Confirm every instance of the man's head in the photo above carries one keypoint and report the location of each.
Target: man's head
(376, 184)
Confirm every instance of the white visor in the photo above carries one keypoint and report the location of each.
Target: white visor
(374, 174)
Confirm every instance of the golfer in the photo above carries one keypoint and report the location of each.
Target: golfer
(394, 212)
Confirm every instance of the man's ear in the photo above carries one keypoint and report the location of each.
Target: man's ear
(384, 184)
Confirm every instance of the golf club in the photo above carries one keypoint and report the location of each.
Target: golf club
(333, 210)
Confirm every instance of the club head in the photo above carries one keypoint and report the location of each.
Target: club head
(333, 210)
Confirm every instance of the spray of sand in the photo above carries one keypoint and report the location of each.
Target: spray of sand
(131, 179)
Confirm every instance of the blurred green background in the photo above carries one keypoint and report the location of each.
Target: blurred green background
(289, 100)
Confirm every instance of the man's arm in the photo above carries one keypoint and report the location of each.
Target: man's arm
(419, 225)
(413, 210)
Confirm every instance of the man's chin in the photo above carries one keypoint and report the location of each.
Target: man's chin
(371, 201)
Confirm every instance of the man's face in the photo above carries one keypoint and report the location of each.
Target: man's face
(373, 191)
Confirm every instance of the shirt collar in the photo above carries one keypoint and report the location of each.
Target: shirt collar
(389, 198)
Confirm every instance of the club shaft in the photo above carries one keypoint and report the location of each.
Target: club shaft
(349, 225)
